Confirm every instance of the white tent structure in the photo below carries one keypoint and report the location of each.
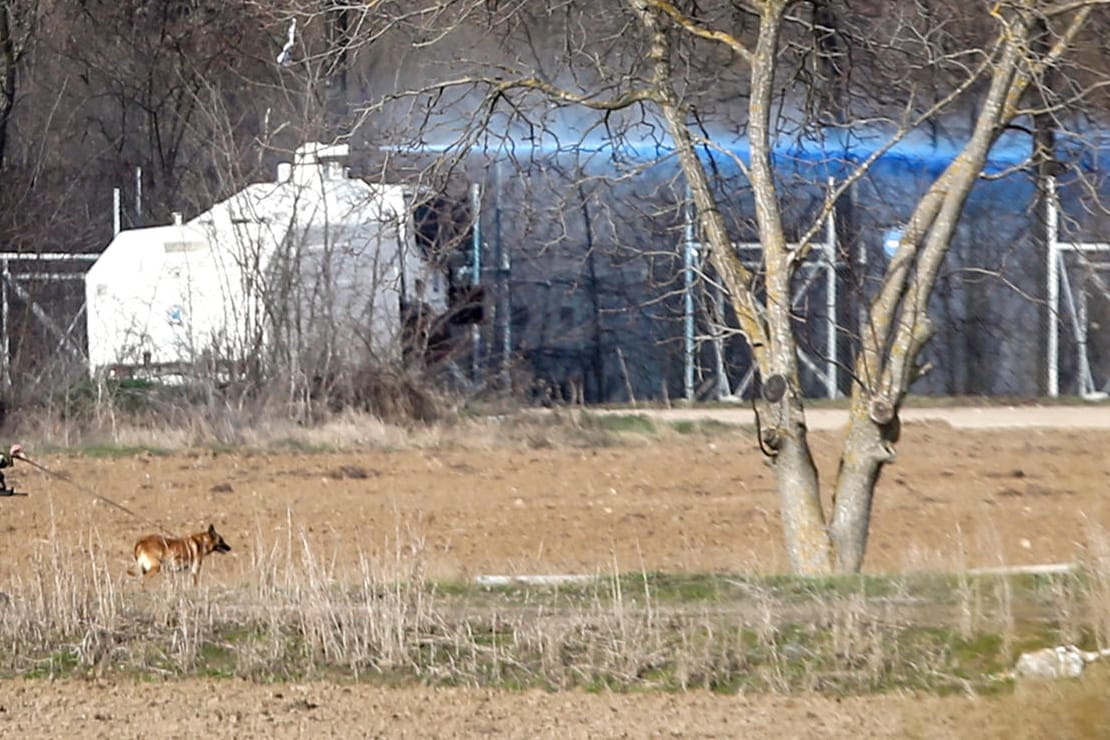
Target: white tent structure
(315, 265)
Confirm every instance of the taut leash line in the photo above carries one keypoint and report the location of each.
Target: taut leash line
(90, 492)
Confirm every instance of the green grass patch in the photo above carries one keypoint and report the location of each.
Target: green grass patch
(704, 427)
(216, 660)
(109, 451)
(63, 662)
(1032, 593)
(290, 444)
(619, 423)
(680, 588)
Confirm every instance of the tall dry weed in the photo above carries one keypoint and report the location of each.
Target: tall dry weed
(307, 606)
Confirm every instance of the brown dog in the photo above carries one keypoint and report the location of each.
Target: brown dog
(177, 553)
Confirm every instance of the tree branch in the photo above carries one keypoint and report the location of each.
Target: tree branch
(735, 276)
(694, 28)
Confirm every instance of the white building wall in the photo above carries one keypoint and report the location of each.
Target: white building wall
(176, 293)
(148, 297)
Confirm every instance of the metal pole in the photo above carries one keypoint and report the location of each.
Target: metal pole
(115, 212)
(831, 384)
(476, 235)
(1053, 350)
(723, 389)
(138, 196)
(859, 281)
(507, 336)
(475, 273)
(1083, 364)
(5, 338)
(503, 266)
(689, 258)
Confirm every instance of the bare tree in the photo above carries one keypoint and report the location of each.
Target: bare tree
(805, 69)
(999, 74)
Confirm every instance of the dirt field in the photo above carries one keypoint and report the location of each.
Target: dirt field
(231, 708)
(955, 498)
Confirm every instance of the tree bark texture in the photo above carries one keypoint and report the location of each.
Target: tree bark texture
(8, 60)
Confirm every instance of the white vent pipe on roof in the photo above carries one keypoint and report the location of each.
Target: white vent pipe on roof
(314, 151)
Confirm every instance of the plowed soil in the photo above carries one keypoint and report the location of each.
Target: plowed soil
(955, 498)
(232, 708)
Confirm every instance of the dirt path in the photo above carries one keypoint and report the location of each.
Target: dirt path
(1092, 416)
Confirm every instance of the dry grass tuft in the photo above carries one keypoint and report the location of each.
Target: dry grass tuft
(298, 610)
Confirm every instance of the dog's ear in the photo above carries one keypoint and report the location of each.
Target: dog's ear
(212, 529)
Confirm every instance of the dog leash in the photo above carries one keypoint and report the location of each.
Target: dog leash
(90, 492)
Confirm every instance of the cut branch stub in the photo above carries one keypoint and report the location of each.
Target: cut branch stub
(884, 414)
(920, 371)
(774, 388)
(881, 411)
(770, 440)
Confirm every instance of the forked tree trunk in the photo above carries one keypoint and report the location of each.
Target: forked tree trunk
(898, 323)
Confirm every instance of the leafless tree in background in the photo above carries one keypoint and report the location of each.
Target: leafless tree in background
(18, 21)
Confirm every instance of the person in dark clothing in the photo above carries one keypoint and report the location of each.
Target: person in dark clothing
(7, 459)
